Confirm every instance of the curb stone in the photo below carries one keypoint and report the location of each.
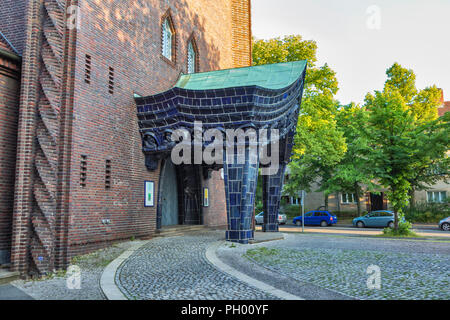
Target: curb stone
(107, 281)
(216, 262)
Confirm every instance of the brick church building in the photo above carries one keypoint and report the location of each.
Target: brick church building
(72, 170)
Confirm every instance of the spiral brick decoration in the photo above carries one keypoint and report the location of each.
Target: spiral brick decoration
(47, 131)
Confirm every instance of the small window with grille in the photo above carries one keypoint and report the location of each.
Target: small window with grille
(83, 171)
(108, 174)
(111, 81)
(87, 70)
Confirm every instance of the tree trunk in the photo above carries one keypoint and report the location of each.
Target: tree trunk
(358, 200)
(326, 201)
(412, 198)
(338, 202)
(396, 209)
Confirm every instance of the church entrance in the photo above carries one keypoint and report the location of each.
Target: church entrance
(180, 195)
(168, 195)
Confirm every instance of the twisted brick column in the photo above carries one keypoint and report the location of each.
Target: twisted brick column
(47, 132)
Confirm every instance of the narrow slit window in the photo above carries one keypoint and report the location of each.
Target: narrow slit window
(111, 81)
(108, 174)
(83, 171)
(87, 70)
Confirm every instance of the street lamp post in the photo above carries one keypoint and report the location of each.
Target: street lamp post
(303, 211)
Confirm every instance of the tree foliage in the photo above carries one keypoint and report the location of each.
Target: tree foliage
(407, 139)
(395, 141)
(319, 145)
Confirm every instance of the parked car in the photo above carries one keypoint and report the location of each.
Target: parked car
(379, 219)
(259, 218)
(444, 224)
(321, 218)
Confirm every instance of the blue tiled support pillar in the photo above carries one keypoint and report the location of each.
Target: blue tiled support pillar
(272, 187)
(240, 189)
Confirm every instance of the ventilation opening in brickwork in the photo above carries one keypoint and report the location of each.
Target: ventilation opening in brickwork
(111, 80)
(108, 174)
(83, 171)
(87, 71)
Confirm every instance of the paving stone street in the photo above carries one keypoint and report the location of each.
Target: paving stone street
(176, 268)
(410, 269)
(310, 266)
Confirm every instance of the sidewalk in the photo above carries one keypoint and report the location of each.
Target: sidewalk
(9, 292)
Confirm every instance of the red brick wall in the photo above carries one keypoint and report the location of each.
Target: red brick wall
(241, 32)
(216, 214)
(128, 38)
(9, 104)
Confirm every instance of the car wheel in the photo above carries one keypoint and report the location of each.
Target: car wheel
(445, 226)
(391, 225)
(360, 224)
(298, 223)
(323, 224)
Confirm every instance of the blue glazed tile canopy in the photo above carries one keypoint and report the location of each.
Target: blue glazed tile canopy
(260, 97)
(271, 76)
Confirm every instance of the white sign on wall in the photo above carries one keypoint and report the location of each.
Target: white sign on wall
(149, 193)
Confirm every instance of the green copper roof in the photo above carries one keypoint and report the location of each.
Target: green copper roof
(269, 76)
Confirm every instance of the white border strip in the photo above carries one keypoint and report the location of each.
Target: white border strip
(107, 280)
(215, 261)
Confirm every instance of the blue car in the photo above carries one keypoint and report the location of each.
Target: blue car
(444, 224)
(321, 218)
(377, 219)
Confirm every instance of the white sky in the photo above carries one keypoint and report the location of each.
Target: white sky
(415, 33)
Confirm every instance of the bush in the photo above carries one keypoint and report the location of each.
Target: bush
(258, 207)
(292, 210)
(428, 212)
(404, 230)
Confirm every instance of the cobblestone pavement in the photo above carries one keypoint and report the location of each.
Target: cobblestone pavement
(176, 268)
(410, 269)
(91, 265)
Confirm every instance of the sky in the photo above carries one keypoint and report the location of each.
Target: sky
(360, 39)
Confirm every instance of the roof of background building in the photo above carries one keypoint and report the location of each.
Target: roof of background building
(270, 76)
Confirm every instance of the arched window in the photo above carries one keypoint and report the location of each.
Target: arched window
(168, 39)
(192, 57)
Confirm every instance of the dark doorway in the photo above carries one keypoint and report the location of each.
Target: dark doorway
(376, 202)
(190, 196)
(168, 195)
(179, 196)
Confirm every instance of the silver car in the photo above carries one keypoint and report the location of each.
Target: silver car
(259, 218)
(444, 224)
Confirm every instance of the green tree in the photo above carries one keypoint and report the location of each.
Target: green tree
(431, 163)
(352, 172)
(400, 144)
(319, 80)
(319, 145)
(391, 133)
